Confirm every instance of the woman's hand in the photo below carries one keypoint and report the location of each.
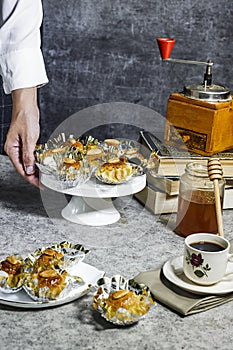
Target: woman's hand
(23, 133)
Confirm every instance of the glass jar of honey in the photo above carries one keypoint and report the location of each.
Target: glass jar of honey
(196, 201)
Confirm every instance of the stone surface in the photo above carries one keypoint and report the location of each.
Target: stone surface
(139, 241)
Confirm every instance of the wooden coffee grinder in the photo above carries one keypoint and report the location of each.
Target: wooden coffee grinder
(200, 118)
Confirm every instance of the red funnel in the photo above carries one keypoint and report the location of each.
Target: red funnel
(165, 46)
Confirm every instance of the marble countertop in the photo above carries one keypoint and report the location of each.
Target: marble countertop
(139, 241)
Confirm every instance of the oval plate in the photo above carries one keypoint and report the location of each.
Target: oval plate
(89, 273)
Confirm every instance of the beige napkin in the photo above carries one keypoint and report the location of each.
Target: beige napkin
(177, 299)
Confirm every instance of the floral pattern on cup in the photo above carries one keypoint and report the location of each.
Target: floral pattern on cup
(197, 263)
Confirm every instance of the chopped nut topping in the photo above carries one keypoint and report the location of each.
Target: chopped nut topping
(12, 260)
(120, 294)
(48, 273)
(69, 161)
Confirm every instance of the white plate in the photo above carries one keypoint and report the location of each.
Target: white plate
(173, 271)
(88, 273)
(94, 189)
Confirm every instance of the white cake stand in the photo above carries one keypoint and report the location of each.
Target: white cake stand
(91, 204)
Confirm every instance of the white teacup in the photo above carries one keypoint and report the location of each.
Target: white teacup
(206, 257)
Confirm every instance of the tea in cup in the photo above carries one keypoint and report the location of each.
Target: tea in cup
(206, 257)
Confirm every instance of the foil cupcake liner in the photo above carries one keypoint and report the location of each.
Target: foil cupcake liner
(58, 258)
(116, 147)
(122, 316)
(12, 282)
(101, 179)
(125, 149)
(136, 171)
(71, 161)
(45, 294)
(64, 159)
(72, 254)
(4, 286)
(49, 155)
(68, 178)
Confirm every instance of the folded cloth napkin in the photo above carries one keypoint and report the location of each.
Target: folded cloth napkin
(177, 299)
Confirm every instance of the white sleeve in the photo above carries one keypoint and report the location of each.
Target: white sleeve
(21, 60)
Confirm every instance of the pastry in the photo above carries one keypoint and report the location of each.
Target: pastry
(49, 278)
(135, 304)
(78, 146)
(43, 274)
(114, 171)
(94, 153)
(53, 253)
(13, 266)
(49, 158)
(70, 162)
(46, 284)
(49, 258)
(95, 156)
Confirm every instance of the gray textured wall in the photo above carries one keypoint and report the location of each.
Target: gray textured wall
(100, 51)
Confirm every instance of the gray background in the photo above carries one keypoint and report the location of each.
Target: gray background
(100, 51)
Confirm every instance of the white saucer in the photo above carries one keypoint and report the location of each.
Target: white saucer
(173, 271)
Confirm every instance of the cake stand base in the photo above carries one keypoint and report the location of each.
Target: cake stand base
(91, 203)
(91, 211)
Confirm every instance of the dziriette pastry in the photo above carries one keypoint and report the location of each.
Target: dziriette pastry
(77, 145)
(47, 283)
(135, 304)
(48, 259)
(13, 266)
(115, 170)
(94, 153)
(43, 273)
(70, 162)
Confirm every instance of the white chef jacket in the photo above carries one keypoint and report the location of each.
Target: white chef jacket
(21, 61)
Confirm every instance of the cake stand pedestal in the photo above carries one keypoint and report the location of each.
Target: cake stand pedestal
(91, 203)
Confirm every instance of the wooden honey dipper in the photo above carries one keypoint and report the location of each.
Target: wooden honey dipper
(215, 174)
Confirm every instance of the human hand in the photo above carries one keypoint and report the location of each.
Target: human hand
(23, 133)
